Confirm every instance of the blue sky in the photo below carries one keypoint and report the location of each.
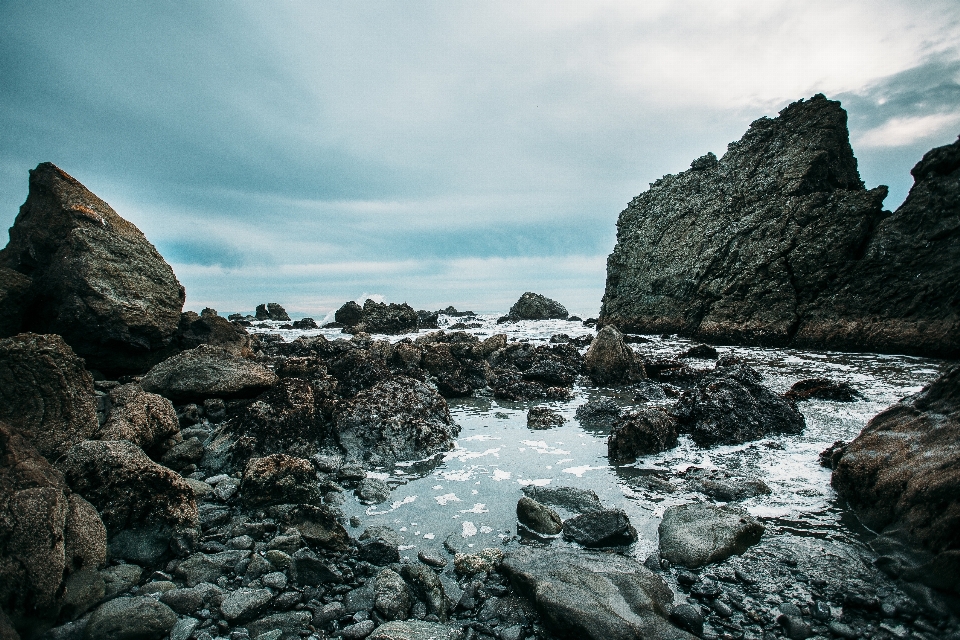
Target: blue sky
(435, 152)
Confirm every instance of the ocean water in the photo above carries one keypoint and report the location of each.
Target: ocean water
(469, 495)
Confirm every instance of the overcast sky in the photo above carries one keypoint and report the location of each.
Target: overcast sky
(436, 152)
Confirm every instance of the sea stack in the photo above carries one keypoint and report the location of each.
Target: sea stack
(779, 243)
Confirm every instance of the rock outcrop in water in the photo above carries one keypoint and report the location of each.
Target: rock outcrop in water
(378, 317)
(902, 477)
(779, 243)
(533, 306)
(94, 277)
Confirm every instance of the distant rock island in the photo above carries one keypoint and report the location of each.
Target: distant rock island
(779, 243)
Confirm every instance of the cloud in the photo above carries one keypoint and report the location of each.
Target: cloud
(900, 132)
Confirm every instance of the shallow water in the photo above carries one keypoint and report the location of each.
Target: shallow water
(470, 493)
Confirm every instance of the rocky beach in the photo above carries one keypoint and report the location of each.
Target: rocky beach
(758, 437)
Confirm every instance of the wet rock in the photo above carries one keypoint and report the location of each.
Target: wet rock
(693, 535)
(724, 486)
(378, 317)
(379, 545)
(183, 601)
(289, 624)
(599, 413)
(544, 418)
(901, 476)
(306, 568)
(350, 314)
(277, 479)
(484, 561)
(533, 306)
(96, 280)
(593, 595)
(688, 617)
(145, 419)
(358, 630)
(415, 630)
(702, 351)
(604, 528)
(610, 361)
(207, 372)
(140, 618)
(432, 559)
(186, 453)
(794, 627)
(731, 406)
(184, 628)
(46, 393)
(397, 419)
(426, 587)
(822, 389)
(392, 596)
(830, 456)
(317, 524)
(202, 567)
(272, 311)
(244, 604)
(47, 535)
(571, 499)
(128, 488)
(538, 518)
(305, 323)
(640, 433)
(373, 491)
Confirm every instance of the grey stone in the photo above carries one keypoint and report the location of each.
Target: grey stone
(330, 611)
(606, 528)
(593, 595)
(693, 535)
(538, 517)
(373, 491)
(570, 499)
(415, 630)
(201, 567)
(140, 618)
(427, 588)
(391, 596)
(358, 631)
(245, 603)
(183, 601)
(533, 306)
(359, 599)
(119, 578)
(276, 580)
(205, 372)
(610, 361)
(184, 628)
(289, 623)
(598, 413)
(306, 568)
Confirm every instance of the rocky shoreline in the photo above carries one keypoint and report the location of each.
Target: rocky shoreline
(172, 475)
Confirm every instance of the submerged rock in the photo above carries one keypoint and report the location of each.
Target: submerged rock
(95, 279)
(544, 418)
(533, 306)
(46, 392)
(599, 413)
(901, 476)
(822, 389)
(207, 372)
(693, 535)
(593, 595)
(779, 243)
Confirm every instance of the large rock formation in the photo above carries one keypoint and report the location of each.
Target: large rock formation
(95, 279)
(779, 243)
(533, 306)
(207, 372)
(902, 477)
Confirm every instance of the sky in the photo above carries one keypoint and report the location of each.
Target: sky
(437, 153)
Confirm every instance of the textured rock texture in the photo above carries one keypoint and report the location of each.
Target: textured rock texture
(779, 243)
(533, 306)
(145, 419)
(46, 392)
(96, 280)
(902, 477)
(696, 534)
(207, 372)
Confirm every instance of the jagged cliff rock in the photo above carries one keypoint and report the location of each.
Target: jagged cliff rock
(96, 280)
(779, 243)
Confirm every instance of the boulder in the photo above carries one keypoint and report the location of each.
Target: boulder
(212, 329)
(572, 499)
(397, 419)
(46, 393)
(599, 413)
(392, 318)
(96, 280)
(245, 604)
(277, 479)
(610, 361)
(145, 419)
(641, 433)
(272, 311)
(379, 545)
(693, 535)
(544, 418)
(349, 315)
(779, 243)
(822, 389)
(533, 306)
(140, 618)
(427, 587)
(207, 372)
(724, 486)
(731, 406)
(305, 323)
(129, 489)
(601, 528)
(391, 596)
(49, 536)
(537, 517)
(14, 300)
(901, 476)
(593, 595)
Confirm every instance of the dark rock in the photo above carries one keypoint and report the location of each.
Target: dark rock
(391, 596)
(533, 306)
(693, 535)
(415, 630)
(632, 339)
(397, 419)
(118, 578)
(373, 491)
(830, 456)
(128, 488)
(593, 595)
(901, 476)
(703, 351)
(14, 300)
(426, 587)
(305, 323)
(544, 418)
(272, 311)
(288, 623)
(730, 406)
(48, 535)
(378, 317)
(46, 393)
(610, 361)
(603, 528)
(794, 627)
(811, 259)
(427, 319)
(185, 453)
(307, 568)
(599, 413)
(571, 499)
(640, 433)
(358, 631)
(379, 545)
(202, 567)
(207, 372)
(141, 618)
(277, 479)
(688, 617)
(318, 525)
(822, 389)
(431, 559)
(724, 486)
(538, 518)
(245, 604)
(349, 315)
(212, 330)
(96, 280)
(145, 419)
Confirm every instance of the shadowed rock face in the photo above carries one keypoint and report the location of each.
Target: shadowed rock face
(97, 281)
(779, 243)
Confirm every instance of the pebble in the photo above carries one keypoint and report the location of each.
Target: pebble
(358, 631)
